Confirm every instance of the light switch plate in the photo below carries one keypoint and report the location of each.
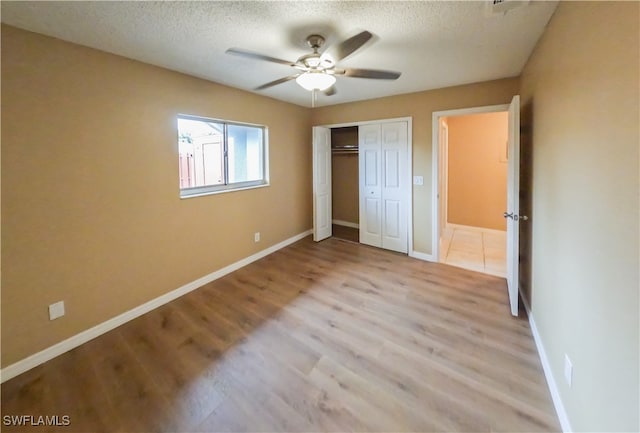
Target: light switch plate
(418, 180)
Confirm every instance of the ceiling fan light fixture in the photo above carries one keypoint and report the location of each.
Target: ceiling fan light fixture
(315, 80)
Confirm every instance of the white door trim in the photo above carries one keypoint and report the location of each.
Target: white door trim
(409, 174)
(443, 188)
(435, 161)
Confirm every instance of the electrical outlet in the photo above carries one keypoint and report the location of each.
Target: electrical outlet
(56, 310)
(568, 370)
(256, 237)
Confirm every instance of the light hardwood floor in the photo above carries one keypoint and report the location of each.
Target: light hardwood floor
(334, 336)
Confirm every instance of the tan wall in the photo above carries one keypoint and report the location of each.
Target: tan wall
(345, 188)
(420, 106)
(580, 92)
(91, 212)
(477, 170)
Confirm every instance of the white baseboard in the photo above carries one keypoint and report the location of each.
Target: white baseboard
(473, 228)
(70, 343)
(345, 224)
(421, 256)
(551, 382)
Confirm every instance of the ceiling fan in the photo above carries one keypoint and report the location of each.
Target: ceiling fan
(318, 71)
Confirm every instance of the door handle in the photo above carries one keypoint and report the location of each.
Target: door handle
(515, 217)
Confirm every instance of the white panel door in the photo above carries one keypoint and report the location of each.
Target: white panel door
(395, 186)
(369, 168)
(513, 202)
(321, 183)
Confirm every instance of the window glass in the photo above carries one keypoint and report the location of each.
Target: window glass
(215, 155)
(245, 153)
(201, 151)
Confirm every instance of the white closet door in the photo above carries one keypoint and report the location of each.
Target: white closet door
(395, 186)
(369, 165)
(321, 183)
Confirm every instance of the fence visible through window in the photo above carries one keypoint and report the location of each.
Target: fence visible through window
(216, 155)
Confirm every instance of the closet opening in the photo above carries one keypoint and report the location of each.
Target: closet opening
(345, 194)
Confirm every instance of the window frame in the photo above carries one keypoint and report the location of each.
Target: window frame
(198, 191)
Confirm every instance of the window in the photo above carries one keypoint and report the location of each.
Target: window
(216, 156)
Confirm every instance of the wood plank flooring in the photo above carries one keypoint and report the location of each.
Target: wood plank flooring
(346, 233)
(334, 336)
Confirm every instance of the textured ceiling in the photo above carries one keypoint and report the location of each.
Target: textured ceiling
(433, 44)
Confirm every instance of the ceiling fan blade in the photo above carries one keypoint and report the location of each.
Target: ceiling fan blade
(371, 73)
(276, 82)
(331, 91)
(345, 48)
(257, 56)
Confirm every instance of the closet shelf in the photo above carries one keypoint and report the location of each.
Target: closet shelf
(345, 149)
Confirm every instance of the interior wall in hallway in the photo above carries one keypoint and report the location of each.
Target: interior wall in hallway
(477, 170)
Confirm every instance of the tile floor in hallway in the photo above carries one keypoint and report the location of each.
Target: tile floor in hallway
(475, 248)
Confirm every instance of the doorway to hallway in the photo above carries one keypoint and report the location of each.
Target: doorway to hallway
(473, 191)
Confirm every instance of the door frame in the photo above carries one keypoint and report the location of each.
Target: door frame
(443, 187)
(435, 163)
(409, 174)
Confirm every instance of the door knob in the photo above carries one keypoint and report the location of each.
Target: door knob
(515, 217)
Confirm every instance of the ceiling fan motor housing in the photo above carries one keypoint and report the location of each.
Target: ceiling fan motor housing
(315, 41)
(315, 61)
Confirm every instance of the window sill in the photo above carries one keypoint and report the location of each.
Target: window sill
(222, 191)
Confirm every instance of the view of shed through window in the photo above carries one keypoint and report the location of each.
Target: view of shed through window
(216, 155)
